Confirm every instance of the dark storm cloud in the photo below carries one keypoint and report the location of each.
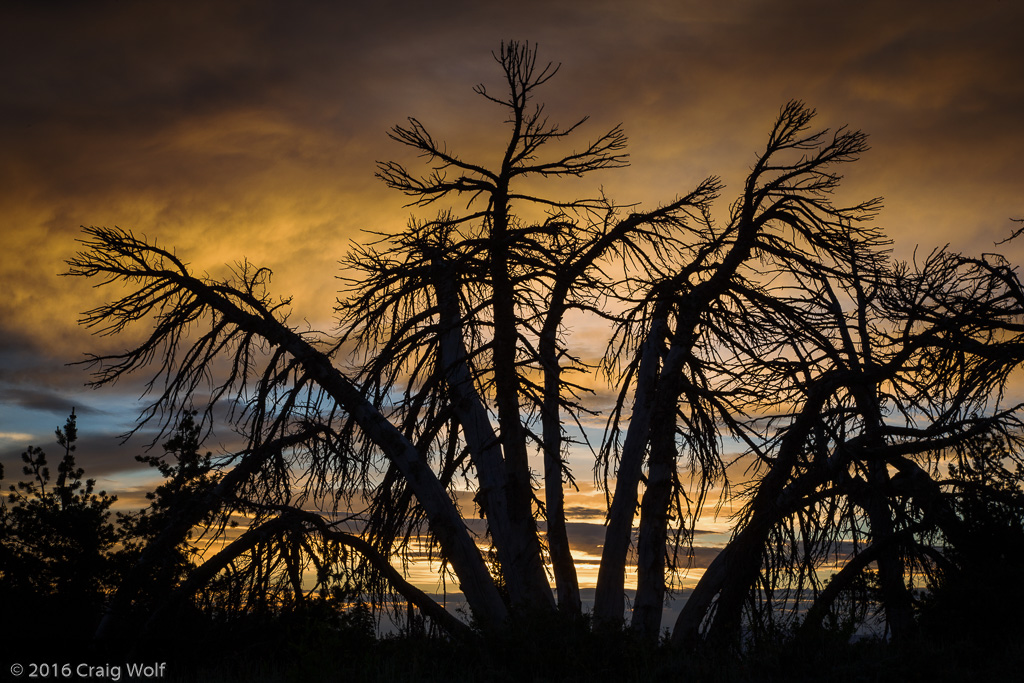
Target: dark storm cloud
(42, 400)
(141, 66)
(101, 455)
(580, 511)
(123, 66)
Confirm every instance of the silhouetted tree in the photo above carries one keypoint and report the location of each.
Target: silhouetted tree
(906, 369)
(56, 545)
(703, 313)
(976, 585)
(847, 377)
(187, 476)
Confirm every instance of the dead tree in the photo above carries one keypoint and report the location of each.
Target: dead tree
(784, 327)
(453, 320)
(904, 369)
(697, 313)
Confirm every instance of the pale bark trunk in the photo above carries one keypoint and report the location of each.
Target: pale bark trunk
(609, 598)
(658, 393)
(512, 541)
(652, 542)
(530, 564)
(442, 516)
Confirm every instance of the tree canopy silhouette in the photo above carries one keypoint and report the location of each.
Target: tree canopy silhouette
(848, 378)
(57, 545)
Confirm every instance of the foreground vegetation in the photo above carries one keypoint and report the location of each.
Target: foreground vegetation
(566, 654)
(64, 553)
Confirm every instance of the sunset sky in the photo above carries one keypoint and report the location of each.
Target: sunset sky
(251, 129)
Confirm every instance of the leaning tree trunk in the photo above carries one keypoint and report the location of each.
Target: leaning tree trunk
(609, 599)
(443, 517)
(734, 570)
(652, 543)
(514, 539)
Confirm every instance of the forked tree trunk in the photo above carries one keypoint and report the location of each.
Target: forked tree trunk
(689, 307)
(609, 598)
(518, 556)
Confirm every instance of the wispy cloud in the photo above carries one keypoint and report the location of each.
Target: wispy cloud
(15, 436)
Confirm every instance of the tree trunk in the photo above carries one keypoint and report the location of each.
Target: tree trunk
(566, 581)
(895, 594)
(442, 516)
(652, 543)
(514, 540)
(609, 599)
(529, 565)
(733, 571)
